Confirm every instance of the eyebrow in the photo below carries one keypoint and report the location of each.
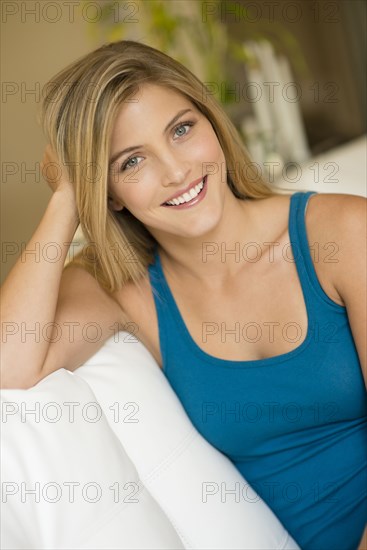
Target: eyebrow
(133, 147)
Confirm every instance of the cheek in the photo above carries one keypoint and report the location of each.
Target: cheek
(208, 150)
(137, 195)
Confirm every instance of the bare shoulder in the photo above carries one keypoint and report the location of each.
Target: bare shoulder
(140, 316)
(132, 306)
(344, 219)
(86, 316)
(338, 216)
(342, 202)
(336, 223)
(77, 281)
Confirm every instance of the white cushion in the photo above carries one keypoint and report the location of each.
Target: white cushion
(338, 170)
(142, 436)
(39, 453)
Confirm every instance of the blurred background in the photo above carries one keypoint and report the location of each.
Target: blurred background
(290, 74)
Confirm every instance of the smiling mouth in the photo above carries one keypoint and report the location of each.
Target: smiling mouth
(189, 196)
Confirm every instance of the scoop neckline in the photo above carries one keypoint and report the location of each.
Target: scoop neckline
(247, 363)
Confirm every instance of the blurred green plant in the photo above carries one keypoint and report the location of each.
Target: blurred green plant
(178, 28)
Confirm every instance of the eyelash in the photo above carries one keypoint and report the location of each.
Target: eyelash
(180, 125)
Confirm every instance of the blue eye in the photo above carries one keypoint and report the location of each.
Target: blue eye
(127, 163)
(181, 126)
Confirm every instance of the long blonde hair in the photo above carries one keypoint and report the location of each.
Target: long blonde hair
(78, 113)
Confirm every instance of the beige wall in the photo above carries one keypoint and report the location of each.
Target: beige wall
(31, 53)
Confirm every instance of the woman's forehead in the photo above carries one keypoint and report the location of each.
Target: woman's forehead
(158, 96)
(153, 108)
(153, 103)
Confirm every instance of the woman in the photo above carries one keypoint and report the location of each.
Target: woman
(261, 336)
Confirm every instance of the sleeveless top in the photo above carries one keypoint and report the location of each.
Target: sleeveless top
(294, 425)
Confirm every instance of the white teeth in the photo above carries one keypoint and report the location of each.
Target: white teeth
(186, 197)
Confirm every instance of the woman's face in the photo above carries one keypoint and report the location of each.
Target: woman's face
(171, 147)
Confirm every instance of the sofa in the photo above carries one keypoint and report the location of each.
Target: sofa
(338, 170)
(105, 457)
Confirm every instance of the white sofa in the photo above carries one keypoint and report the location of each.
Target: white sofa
(339, 170)
(106, 457)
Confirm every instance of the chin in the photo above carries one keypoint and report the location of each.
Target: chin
(201, 226)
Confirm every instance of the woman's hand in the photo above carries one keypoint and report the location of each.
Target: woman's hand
(54, 172)
(57, 177)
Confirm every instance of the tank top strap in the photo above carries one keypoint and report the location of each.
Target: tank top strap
(300, 248)
(157, 281)
(164, 305)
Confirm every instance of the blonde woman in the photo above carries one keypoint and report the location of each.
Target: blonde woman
(254, 309)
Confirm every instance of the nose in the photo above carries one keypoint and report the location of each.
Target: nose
(174, 170)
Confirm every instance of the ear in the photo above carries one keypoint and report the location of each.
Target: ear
(115, 205)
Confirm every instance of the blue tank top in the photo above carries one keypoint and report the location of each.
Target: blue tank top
(294, 425)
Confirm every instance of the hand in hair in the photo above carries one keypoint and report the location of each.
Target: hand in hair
(54, 172)
(57, 177)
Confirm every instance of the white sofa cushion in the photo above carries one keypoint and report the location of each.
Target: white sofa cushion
(141, 424)
(50, 450)
(338, 170)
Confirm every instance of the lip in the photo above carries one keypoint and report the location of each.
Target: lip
(194, 201)
(183, 191)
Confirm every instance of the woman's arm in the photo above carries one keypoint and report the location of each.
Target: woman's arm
(338, 222)
(350, 274)
(52, 317)
(29, 294)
